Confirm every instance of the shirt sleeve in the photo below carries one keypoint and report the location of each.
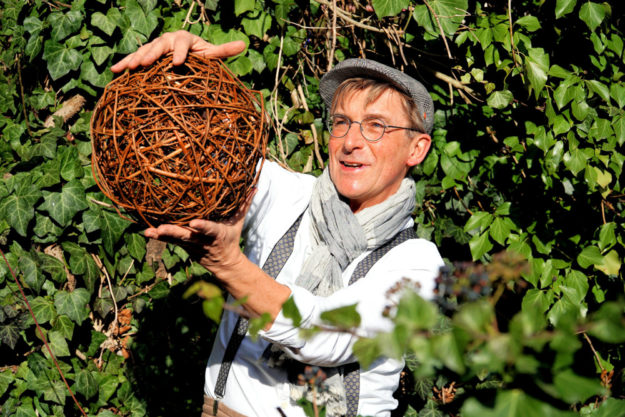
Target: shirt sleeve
(412, 265)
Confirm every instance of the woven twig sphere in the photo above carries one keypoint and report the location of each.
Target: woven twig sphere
(175, 143)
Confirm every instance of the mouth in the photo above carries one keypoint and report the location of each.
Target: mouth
(348, 164)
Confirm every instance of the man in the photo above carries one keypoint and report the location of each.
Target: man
(380, 120)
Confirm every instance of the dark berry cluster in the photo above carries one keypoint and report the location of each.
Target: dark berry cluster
(460, 283)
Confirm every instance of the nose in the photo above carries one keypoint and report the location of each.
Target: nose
(353, 139)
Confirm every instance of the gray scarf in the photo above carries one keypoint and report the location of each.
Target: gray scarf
(338, 237)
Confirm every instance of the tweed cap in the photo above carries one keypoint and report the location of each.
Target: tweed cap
(357, 67)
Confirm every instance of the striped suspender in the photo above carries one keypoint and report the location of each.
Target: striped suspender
(351, 371)
(274, 264)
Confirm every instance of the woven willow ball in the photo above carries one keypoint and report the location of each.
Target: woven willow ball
(175, 143)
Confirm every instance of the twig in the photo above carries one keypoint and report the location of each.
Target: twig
(594, 351)
(345, 16)
(462, 202)
(512, 47)
(333, 47)
(19, 77)
(440, 27)
(313, 129)
(275, 102)
(98, 262)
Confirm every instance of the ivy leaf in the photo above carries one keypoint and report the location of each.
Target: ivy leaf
(576, 389)
(564, 7)
(73, 304)
(30, 270)
(63, 206)
(43, 309)
(479, 245)
(537, 67)
(60, 59)
(290, 311)
(242, 6)
(385, 8)
(112, 226)
(611, 263)
(142, 22)
(64, 325)
(343, 317)
(530, 23)
(500, 99)
(136, 245)
(64, 24)
(58, 344)
(86, 383)
(103, 22)
(450, 14)
(9, 335)
(592, 14)
(590, 256)
(17, 212)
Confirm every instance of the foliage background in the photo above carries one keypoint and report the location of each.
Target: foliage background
(527, 158)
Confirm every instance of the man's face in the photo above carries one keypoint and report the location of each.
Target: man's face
(367, 173)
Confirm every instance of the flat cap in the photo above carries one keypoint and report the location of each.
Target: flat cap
(358, 67)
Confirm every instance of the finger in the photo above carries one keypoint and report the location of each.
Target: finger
(170, 233)
(225, 50)
(204, 228)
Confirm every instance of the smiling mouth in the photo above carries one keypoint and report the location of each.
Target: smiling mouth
(351, 164)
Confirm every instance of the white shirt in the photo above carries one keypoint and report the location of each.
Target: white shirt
(253, 388)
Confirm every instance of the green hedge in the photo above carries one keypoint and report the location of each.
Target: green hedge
(522, 192)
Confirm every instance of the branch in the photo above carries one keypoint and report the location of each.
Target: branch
(345, 16)
(440, 27)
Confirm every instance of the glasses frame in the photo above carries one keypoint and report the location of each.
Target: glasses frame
(350, 121)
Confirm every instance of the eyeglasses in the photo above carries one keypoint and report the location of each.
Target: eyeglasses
(372, 128)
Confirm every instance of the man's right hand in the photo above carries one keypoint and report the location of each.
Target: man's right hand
(180, 43)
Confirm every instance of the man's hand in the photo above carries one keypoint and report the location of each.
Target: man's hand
(214, 245)
(180, 43)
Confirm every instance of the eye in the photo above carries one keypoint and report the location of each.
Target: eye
(338, 121)
(375, 124)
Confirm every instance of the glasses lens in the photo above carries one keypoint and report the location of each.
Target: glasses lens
(372, 129)
(338, 125)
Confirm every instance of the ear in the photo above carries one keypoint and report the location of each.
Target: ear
(419, 147)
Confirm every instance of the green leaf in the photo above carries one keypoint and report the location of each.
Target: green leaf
(112, 227)
(58, 344)
(63, 325)
(242, 6)
(142, 22)
(479, 245)
(576, 389)
(385, 8)
(564, 7)
(342, 317)
(73, 304)
(257, 25)
(9, 335)
(590, 256)
(64, 24)
(537, 67)
(599, 88)
(592, 14)
(610, 407)
(30, 270)
(530, 23)
(60, 59)
(512, 403)
(290, 311)
(611, 263)
(103, 22)
(450, 14)
(500, 99)
(43, 309)
(86, 384)
(63, 206)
